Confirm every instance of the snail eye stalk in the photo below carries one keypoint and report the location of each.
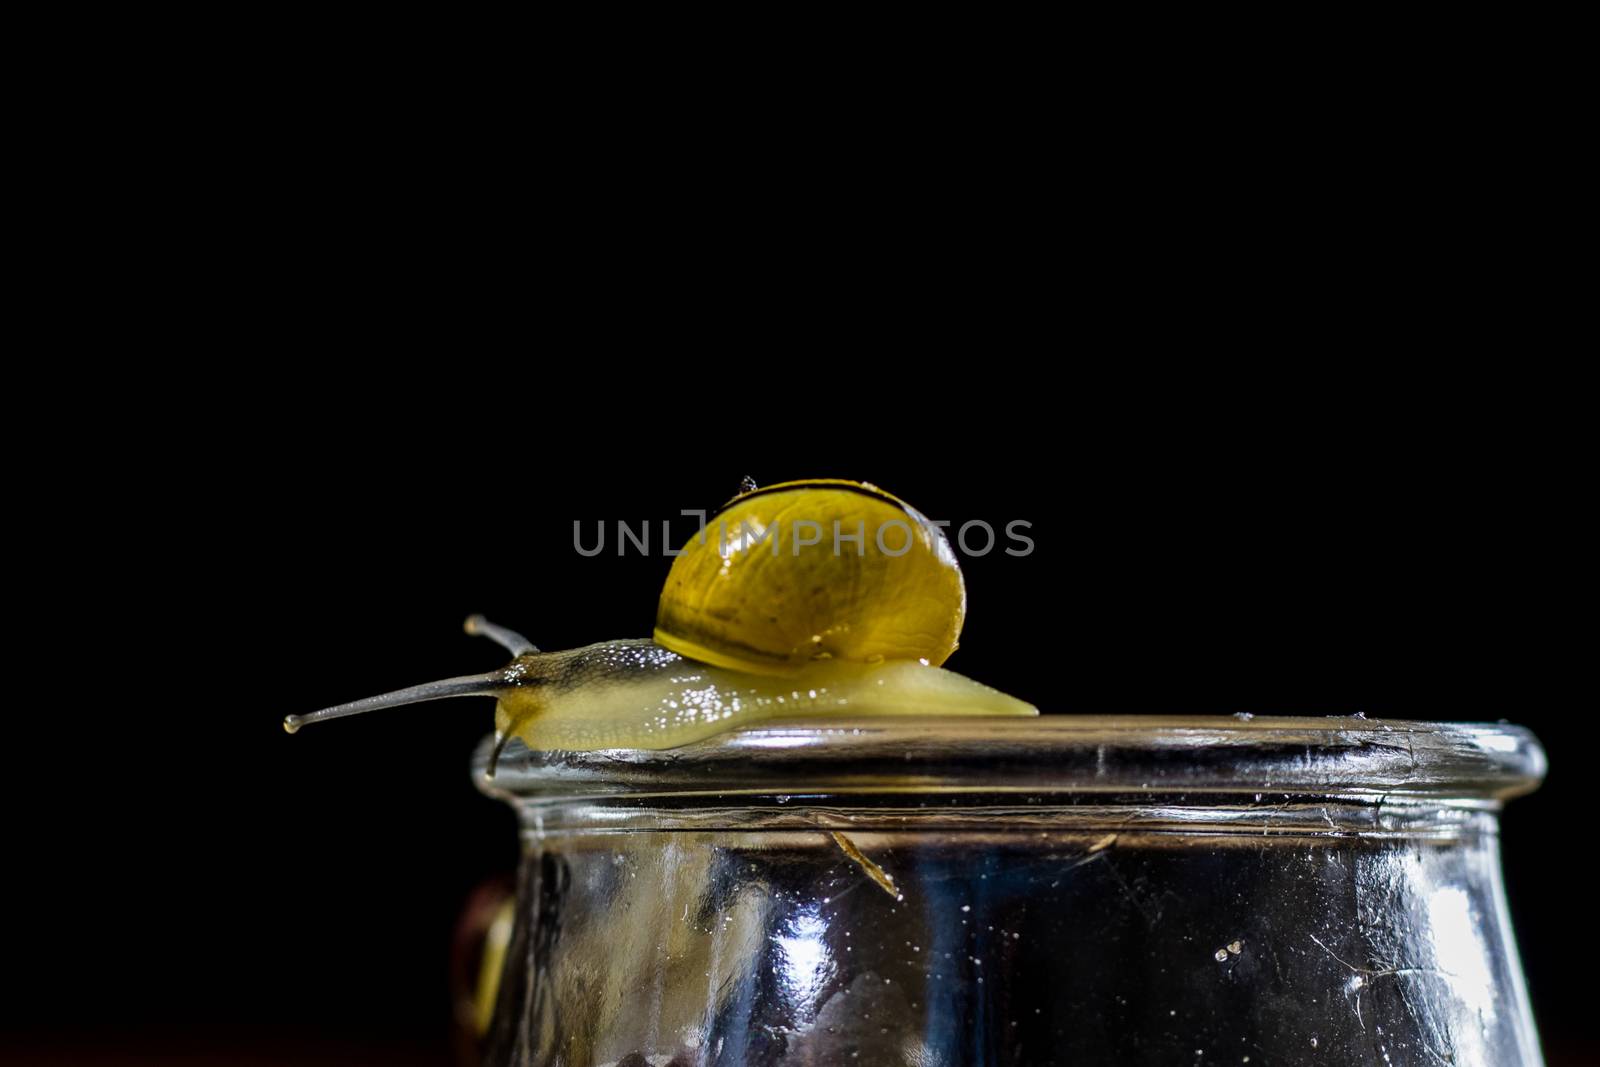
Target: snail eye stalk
(510, 640)
(471, 685)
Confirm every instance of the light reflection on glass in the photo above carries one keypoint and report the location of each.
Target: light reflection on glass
(805, 963)
(1460, 953)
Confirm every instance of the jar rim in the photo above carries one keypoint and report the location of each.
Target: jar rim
(1051, 754)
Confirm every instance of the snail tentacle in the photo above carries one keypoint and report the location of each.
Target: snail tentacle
(471, 685)
(510, 640)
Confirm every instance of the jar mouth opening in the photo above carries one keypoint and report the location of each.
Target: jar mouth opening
(1051, 754)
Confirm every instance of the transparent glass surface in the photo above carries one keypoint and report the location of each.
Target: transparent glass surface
(1066, 890)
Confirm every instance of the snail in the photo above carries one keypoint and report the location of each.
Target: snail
(798, 599)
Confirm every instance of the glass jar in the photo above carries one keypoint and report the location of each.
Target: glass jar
(1063, 890)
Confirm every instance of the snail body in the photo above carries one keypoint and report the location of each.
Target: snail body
(801, 599)
(637, 694)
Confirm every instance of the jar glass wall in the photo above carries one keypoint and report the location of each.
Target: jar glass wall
(1128, 891)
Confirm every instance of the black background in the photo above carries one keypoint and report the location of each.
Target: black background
(203, 886)
(1277, 373)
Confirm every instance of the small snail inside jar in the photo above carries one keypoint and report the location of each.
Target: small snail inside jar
(755, 623)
